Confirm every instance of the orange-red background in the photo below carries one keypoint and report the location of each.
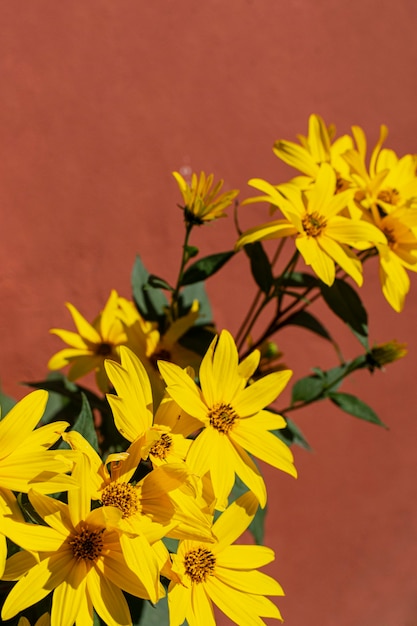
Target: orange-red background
(100, 101)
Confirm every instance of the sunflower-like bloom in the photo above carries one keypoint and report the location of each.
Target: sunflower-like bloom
(317, 148)
(386, 195)
(223, 574)
(148, 506)
(132, 410)
(149, 344)
(322, 235)
(91, 344)
(26, 462)
(232, 417)
(202, 201)
(81, 557)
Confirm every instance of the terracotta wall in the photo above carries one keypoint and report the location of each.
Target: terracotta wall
(100, 101)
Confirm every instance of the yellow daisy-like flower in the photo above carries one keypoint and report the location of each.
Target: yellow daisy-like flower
(81, 558)
(202, 201)
(91, 344)
(313, 218)
(388, 183)
(317, 148)
(386, 195)
(145, 340)
(149, 506)
(25, 461)
(232, 416)
(223, 574)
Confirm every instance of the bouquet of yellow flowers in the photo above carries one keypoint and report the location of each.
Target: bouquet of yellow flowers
(122, 504)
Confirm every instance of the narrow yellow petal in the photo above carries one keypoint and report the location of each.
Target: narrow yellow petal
(108, 600)
(21, 420)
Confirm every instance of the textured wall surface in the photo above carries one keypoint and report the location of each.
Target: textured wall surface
(100, 101)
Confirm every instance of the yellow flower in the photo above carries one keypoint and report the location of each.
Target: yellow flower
(148, 506)
(232, 416)
(223, 574)
(25, 461)
(91, 344)
(385, 353)
(322, 235)
(82, 558)
(388, 183)
(145, 340)
(386, 195)
(315, 149)
(202, 201)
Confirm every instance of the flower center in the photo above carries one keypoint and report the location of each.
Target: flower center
(313, 224)
(87, 544)
(121, 495)
(104, 349)
(161, 446)
(160, 355)
(222, 417)
(199, 564)
(390, 196)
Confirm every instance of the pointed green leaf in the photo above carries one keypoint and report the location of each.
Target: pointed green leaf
(307, 389)
(158, 283)
(84, 424)
(6, 403)
(150, 301)
(351, 404)
(260, 266)
(291, 435)
(344, 301)
(308, 321)
(197, 291)
(205, 267)
(153, 615)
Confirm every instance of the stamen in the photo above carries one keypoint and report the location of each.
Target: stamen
(121, 495)
(313, 224)
(222, 417)
(161, 446)
(104, 349)
(199, 564)
(87, 544)
(390, 196)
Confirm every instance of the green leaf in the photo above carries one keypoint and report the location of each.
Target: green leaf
(197, 291)
(260, 266)
(153, 615)
(308, 321)
(343, 300)
(150, 301)
(291, 434)
(205, 267)
(6, 403)
(307, 389)
(299, 279)
(84, 424)
(351, 404)
(158, 283)
(190, 252)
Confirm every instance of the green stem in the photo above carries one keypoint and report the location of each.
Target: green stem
(255, 309)
(184, 260)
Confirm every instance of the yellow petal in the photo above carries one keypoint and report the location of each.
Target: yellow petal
(234, 521)
(21, 420)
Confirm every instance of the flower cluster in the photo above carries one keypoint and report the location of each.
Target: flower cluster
(138, 497)
(341, 203)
